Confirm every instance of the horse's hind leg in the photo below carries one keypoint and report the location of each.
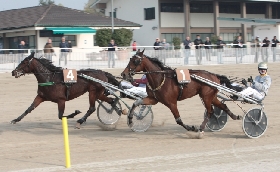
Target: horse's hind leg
(35, 103)
(92, 99)
(216, 102)
(207, 101)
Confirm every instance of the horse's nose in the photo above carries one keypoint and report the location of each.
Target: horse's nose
(13, 73)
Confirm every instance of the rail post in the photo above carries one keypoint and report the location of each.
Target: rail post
(66, 142)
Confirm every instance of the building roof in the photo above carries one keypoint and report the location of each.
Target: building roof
(56, 16)
(251, 21)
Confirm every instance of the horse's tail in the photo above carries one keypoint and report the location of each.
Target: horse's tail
(224, 80)
(112, 79)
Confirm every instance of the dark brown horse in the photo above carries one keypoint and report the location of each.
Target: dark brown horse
(163, 87)
(52, 87)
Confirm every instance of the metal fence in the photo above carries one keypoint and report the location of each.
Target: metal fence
(98, 58)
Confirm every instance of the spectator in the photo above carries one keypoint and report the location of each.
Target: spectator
(63, 51)
(198, 53)
(265, 46)
(157, 44)
(156, 47)
(21, 46)
(134, 46)
(48, 50)
(220, 49)
(208, 49)
(70, 50)
(111, 53)
(238, 44)
(257, 47)
(164, 47)
(273, 47)
(187, 43)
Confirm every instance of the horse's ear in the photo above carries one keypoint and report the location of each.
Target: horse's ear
(32, 54)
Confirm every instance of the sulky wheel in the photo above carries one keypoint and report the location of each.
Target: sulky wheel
(218, 120)
(142, 118)
(254, 123)
(107, 114)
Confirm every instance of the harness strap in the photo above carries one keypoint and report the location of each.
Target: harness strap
(45, 84)
(180, 91)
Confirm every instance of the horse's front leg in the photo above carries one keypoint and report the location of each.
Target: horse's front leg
(35, 103)
(145, 101)
(92, 99)
(175, 112)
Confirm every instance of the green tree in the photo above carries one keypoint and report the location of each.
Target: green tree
(176, 42)
(46, 2)
(103, 37)
(122, 37)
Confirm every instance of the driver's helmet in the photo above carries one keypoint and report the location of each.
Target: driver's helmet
(262, 65)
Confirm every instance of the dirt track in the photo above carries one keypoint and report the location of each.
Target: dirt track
(36, 143)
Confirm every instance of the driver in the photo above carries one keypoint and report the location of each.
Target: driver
(138, 86)
(260, 84)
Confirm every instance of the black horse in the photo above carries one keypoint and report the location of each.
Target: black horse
(51, 86)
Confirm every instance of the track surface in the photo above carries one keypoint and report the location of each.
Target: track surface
(36, 142)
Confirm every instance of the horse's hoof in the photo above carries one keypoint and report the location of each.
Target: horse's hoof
(77, 112)
(78, 126)
(13, 121)
(200, 135)
(195, 128)
(239, 117)
(81, 121)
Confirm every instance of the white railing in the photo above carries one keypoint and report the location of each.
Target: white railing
(98, 58)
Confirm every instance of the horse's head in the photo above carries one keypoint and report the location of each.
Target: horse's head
(135, 65)
(24, 66)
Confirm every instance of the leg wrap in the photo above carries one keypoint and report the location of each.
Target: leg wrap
(179, 121)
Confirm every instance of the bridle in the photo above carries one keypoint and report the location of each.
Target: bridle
(131, 71)
(20, 71)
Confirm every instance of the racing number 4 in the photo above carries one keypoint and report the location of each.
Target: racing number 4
(182, 72)
(70, 75)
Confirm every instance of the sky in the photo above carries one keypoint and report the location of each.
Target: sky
(15, 4)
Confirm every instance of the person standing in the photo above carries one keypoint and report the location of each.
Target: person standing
(111, 52)
(70, 49)
(134, 46)
(273, 47)
(187, 43)
(208, 49)
(265, 46)
(21, 46)
(164, 50)
(220, 48)
(48, 50)
(156, 47)
(63, 51)
(257, 48)
(238, 45)
(198, 53)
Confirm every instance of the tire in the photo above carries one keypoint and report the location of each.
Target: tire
(253, 126)
(218, 120)
(141, 122)
(107, 114)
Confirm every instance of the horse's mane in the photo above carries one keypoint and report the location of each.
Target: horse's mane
(159, 63)
(49, 65)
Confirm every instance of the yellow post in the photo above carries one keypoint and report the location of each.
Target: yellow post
(66, 142)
